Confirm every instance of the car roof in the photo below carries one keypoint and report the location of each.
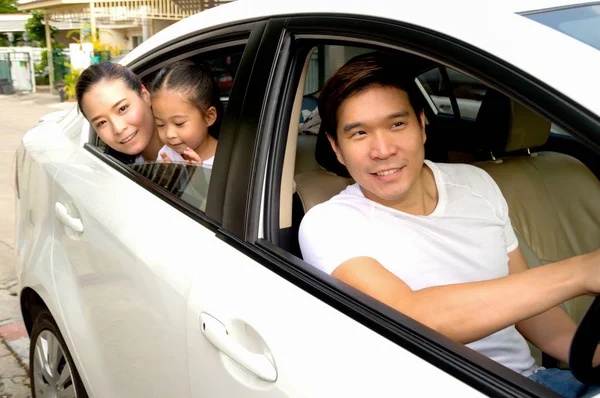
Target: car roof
(454, 18)
(447, 12)
(416, 12)
(493, 26)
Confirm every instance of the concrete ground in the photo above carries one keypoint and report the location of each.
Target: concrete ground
(19, 112)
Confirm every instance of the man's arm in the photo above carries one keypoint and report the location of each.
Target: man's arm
(551, 331)
(467, 312)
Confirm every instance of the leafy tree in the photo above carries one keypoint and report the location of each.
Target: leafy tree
(35, 27)
(8, 6)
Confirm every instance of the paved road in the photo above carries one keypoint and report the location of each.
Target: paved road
(18, 113)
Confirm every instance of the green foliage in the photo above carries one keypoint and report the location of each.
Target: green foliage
(60, 62)
(70, 81)
(36, 28)
(8, 6)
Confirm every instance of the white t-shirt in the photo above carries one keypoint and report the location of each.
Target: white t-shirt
(466, 238)
(176, 157)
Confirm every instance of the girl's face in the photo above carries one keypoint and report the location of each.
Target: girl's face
(180, 124)
(121, 118)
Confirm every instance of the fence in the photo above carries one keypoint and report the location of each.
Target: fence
(5, 75)
(18, 66)
(17, 69)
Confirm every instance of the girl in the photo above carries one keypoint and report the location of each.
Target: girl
(187, 111)
(117, 105)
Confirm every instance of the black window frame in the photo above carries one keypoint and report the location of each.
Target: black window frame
(455, 359)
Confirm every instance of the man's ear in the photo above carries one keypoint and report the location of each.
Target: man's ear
(422, 123)
(146, 95)
(210, 116)
(336, 149)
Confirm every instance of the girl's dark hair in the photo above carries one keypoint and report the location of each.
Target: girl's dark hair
(197, 82)
(358, 74)
(105, 71)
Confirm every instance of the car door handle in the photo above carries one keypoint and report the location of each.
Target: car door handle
(217, 334)
(63, 215)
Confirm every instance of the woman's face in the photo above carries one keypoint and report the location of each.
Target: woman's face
(121, 118)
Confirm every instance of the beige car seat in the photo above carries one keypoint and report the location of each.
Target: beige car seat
(316, 186)
(553, 198)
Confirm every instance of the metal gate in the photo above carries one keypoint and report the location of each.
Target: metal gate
(5, 75)
(21, 67)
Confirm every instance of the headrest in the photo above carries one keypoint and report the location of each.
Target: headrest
(326, 157)
(314, 187)
(504, 125)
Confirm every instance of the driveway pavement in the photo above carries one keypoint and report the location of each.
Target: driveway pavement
(18, 113)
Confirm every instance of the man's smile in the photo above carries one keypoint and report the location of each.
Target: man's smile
(387, 172)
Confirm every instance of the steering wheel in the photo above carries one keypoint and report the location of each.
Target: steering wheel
(584, 345)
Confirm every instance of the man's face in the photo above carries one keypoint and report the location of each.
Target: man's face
(380, 141)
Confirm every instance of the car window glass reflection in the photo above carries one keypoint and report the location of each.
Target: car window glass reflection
(186, 181)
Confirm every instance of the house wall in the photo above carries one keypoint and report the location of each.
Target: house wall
(160, 24)
(131, 33)
(117, 38)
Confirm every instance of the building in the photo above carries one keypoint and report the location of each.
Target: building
(122, 24)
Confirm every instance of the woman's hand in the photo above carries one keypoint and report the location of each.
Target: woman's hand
(191, 156)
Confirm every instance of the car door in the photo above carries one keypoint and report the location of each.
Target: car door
(251, 332)
(124, 257)
(261, 323)
(122, 291)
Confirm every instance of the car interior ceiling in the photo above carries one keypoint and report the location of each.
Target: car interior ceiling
(539, 173)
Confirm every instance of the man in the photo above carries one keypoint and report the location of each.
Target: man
(433, 241)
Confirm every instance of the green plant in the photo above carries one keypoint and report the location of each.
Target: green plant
(8, 6)
(59, 61)
(70, 81)
(98, 44)
(36, 28)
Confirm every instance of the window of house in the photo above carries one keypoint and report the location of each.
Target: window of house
(136, 41)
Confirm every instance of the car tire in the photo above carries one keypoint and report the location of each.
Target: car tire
(52, 375)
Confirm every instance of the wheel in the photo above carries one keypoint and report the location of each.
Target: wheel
(584, 345)
(53, 373)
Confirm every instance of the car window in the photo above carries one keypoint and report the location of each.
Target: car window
(224, 64)
(183, 179)
(468, 92)
(324, 61)
(314, 178)
(579, 22)
(187, 182)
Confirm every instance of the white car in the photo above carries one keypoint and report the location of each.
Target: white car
(133, 287)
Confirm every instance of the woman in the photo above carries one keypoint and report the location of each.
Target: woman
(117, 105)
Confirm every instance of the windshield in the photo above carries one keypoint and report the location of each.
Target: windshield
(581, 23)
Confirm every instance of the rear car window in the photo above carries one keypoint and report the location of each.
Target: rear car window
(468, 92)
(581, 23)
